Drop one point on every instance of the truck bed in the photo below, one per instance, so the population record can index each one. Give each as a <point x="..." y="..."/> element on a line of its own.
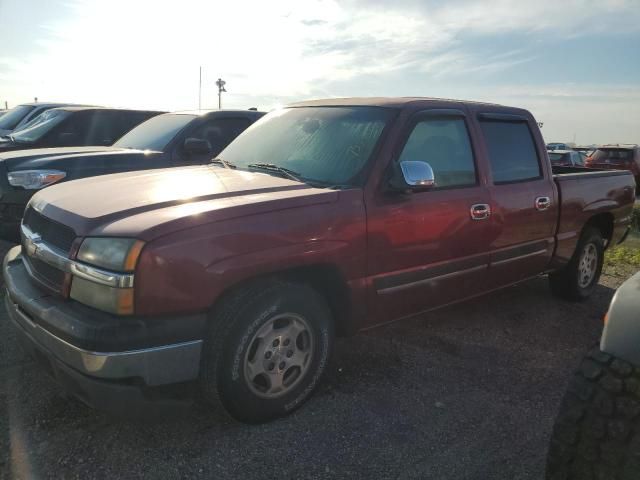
<point x="584" y="193"/>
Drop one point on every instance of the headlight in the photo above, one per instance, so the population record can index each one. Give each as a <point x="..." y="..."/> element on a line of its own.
<point x="109" y="287"/>
<point x="118" y="254"/>
<point x="34" y="179"/>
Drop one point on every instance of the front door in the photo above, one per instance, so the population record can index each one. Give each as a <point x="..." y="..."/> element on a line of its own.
<point x="430" y="248"/>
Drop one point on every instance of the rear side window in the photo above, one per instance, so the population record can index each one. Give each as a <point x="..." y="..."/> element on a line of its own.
<point x="220" y="132"/>
<point x="444" y="144"/>
<point x="512" y="152"/>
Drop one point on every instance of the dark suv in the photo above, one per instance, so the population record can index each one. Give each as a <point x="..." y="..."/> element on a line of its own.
<point x="74" y="126"/>
<point x="616" y="157"/>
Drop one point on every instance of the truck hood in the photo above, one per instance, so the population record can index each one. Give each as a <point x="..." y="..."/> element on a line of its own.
<point x="69" y="158"/>
<point x="153" y="203"/>
<point x="16" y="158"/>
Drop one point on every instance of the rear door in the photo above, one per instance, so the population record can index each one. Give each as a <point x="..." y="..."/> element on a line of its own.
<point x="523" y="198"/>
<point x="425" y="249"/>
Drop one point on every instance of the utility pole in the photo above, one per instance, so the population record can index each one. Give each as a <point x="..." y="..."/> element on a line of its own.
<point x="220" y="84"/>
<point x="200" y="91"/>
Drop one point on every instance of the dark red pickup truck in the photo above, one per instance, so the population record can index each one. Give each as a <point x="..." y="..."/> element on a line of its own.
<point x="323" y="218"/>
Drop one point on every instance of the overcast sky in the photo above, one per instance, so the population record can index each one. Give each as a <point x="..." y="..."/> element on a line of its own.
<point x="575" y="64"/>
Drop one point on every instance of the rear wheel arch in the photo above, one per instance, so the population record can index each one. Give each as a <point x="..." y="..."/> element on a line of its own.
<point x="603" y="222"/>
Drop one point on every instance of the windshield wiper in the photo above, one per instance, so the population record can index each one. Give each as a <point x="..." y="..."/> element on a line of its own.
<point x="270" y="167"/>
<point x="220" y="161"/>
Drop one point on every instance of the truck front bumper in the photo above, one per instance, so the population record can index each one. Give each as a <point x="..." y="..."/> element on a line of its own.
<point x="103" y="379"/>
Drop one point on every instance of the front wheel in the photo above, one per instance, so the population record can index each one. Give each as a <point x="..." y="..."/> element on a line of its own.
<point x="266" y="350"/>
<point x="578" y="279"/>
<point x="597" y="431"/>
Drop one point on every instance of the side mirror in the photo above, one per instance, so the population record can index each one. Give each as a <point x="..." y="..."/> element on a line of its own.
<point x="197" y="146"/>
<point x="413" y="175"/>
<point x="418" y="174"/>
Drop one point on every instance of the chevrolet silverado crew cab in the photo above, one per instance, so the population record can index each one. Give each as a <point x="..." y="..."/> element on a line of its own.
<point x="168" y="140"/>
<point x="321" y="219"/>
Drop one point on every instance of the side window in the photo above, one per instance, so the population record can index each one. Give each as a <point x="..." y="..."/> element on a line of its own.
<point x="578" y="158"/>
<point x="512" y="152"/>
<point x="102" y="128"/>
<point x="444" y="144"/>
<point x="128" y="120"/>
<point x="70" y="132"/>
<point x="221" y="132"/>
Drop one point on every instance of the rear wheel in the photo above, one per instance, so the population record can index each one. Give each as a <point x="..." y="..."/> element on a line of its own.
<point x="266" y="350"/>
<point x="597" y="431"/>
<point x="577" y="280"/>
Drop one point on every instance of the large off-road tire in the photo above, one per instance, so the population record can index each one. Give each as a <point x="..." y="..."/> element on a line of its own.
<point x="266" y="349"/>
<point x="577" y="280"/>
<point x="597" y="431"/>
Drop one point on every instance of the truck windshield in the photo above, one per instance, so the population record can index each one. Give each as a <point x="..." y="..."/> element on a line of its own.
<point x="40" y="126"/>
<point x="14" y="116"/>
<point x="155" y="133"/>
<point x="323" y="145"/>
<point x="612" y="155"/>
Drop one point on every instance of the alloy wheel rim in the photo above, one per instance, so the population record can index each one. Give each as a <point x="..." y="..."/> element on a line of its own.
<point x="588" y="265"/>
<point x="278" y="356"/>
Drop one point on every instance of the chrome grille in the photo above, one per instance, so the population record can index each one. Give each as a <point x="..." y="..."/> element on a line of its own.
<point x="52" y="233"/>
<point x="47" y="275"/>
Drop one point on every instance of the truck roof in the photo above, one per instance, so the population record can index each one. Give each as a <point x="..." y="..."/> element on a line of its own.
<point x="207" y="112"/>
<point x="394" y="102"/>
<point x="78" y="108"/>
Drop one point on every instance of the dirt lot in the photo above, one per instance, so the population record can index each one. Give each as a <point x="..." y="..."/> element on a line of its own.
<point x="469" y="392"/>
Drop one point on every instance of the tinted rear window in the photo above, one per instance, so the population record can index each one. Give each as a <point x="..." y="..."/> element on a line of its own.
<point x="612" y="155"/>
<point x="512" y="152"/>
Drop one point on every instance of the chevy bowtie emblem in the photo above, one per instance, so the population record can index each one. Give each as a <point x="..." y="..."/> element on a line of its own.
<point x="32" y="244"/>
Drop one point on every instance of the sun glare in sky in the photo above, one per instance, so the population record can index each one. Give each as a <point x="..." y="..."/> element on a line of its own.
<point x="572" y="63"/>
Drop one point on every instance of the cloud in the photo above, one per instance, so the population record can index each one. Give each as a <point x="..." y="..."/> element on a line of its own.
<point x="146" y="53"/>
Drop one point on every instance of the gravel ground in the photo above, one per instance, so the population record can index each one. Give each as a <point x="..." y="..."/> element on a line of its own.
<point x="467" y="392"/>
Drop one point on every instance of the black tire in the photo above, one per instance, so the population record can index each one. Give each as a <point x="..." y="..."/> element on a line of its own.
<point x="565" y="283"/>
<point x="231" y="330"/>
<point x="597" y="431"/>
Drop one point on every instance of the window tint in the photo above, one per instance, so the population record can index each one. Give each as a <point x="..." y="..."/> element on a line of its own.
<point x="102" y="128"/>
<point x="220" y="133"/>
<point x="512" y="153"/>
<point x="443" y="144"/>
<point x="128" y="120"/>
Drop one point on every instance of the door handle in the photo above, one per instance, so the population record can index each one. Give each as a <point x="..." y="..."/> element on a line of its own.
<point x="480" y="211"/>
<point x="543" y="203"/>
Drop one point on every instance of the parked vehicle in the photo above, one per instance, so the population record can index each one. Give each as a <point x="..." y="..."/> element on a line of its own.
<point x="324" y="218"/>
<point x="559" y="146"/>
<point x="566" y="158"/>
<point x="597" y="431"/>
<point x="171" y="139"/>
<point x="617" y="157"/>
<point x="17" y="117"/>
<point x="74" y="126"/>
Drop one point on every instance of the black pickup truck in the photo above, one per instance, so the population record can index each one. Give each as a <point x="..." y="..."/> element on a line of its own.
<point x="171" y="139"/>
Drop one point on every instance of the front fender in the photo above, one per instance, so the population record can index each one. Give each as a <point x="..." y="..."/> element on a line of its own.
<point x="621" y="335"/>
